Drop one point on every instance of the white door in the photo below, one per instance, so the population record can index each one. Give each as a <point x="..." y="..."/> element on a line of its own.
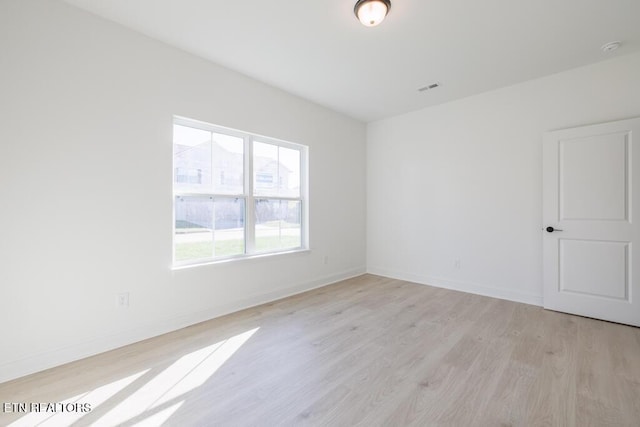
<point x="591" y="215"/>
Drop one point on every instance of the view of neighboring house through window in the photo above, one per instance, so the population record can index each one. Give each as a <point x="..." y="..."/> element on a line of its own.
<point x="276" y="187"/>
<point x="236" y="194"/>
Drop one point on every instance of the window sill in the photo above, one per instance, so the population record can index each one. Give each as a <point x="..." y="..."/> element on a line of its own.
<point x="249" y="258"/>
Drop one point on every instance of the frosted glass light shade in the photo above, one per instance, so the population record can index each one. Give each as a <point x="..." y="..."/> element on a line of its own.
<point x="372" y="12"/>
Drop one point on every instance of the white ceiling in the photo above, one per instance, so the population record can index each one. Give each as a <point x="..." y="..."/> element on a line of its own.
<point x="319" y="51"/>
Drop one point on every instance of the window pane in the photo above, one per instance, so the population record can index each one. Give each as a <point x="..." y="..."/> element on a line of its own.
<point x="191" y="159"/>
<point x="194" y="231"/>
<point x="228" y="164"/>
<point x="206" y="227"/>
<point x="278" y="224"/>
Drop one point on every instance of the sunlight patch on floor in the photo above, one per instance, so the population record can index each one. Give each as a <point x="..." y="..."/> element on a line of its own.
<point x="171" y="385"/>
<point x="95" y="397"/>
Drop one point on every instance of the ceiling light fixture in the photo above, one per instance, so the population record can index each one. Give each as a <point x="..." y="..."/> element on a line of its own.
<point x="371" y="12"/>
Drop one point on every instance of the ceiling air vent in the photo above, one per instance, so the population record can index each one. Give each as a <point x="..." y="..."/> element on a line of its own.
<point x="429" y="87"/>
<point x="611" y="46"/>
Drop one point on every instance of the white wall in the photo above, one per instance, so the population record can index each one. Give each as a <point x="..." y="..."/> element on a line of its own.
<point x="463" y="180"/>
<point x="86" y="111"/>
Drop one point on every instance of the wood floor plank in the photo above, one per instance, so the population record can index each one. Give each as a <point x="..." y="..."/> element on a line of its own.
<point x="368" y="351"/>
<point x="507" y="406"/>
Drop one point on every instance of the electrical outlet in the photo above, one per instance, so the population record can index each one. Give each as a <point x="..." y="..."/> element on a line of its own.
<point x="457" y="264"/>
<point x="325" y="260"/>
<point x="123" y="300"/>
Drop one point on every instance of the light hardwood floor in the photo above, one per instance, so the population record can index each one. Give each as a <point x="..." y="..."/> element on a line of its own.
<point x="367" y="351"/>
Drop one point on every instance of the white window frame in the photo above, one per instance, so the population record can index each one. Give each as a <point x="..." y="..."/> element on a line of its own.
<point x="248" y="194"/>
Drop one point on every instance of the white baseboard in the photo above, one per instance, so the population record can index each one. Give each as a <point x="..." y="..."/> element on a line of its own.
<point x="94" y="345"/>
<point x="472" y="288"/>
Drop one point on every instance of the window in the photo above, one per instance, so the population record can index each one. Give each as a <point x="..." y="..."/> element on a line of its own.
<point x="235" y="194"/>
